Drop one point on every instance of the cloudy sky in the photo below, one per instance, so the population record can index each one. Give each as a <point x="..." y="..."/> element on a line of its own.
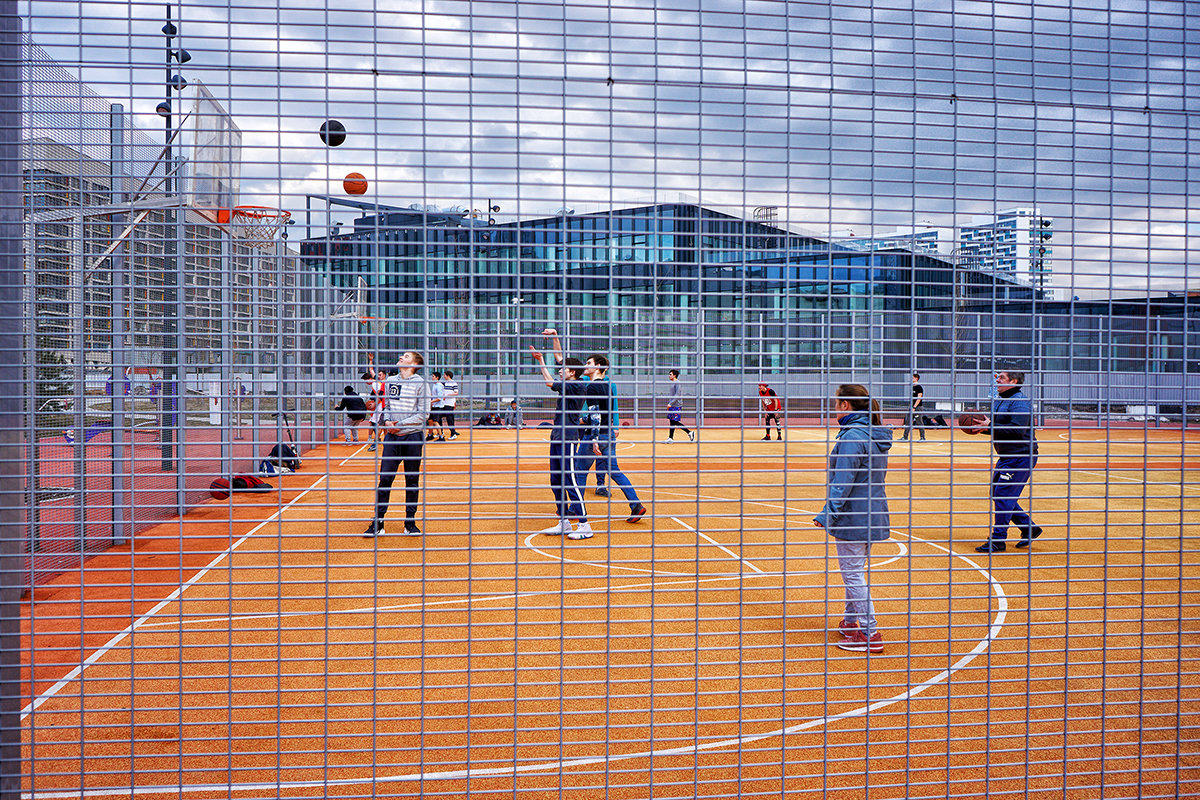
<point x="850" y="119"/>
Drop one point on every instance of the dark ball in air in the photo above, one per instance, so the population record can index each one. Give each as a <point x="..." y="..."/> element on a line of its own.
<point x="333" y="132"/>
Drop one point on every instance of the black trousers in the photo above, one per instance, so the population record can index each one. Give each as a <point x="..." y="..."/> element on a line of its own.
<point x="400" y="449"/>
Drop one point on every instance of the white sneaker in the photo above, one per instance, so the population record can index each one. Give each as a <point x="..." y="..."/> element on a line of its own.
<point x="691" y="436"/>
<point x="584" y="531"/>
<point x="558" y="529"/>
<point x="667" y="441"/>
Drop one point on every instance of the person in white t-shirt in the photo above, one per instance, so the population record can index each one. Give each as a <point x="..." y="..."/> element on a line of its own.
<point x="449" y="403"/>
<point x="437" y="394"/>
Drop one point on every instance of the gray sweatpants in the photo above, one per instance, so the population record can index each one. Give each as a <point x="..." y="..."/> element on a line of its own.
<point x="852" y="561"/>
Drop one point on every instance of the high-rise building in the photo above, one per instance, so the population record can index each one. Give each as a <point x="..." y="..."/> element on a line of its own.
<point x="1015" y="243"/>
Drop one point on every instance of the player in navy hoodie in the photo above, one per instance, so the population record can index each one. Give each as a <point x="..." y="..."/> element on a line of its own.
<point x="1016" y="446"/>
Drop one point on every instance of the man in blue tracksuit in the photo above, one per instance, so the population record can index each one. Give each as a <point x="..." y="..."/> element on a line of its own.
<point x="598" y="444"/>
<point x="1016" y="446"/>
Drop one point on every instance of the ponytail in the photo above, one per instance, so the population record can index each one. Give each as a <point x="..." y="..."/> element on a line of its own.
<point x="860" y="400"/>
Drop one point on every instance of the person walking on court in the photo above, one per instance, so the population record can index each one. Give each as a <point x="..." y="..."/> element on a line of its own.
<point x="598" y="445"/>
<point x="356" y="411"/>
<point x="1016" y="446"/>
<point x="402" y="432"/>
<point x="564" y="436"/>
<point x="770" y="409"/>
<point x="675" y="408"/>
<point x="449" y="403"/>
<point x="856" y="508"/>
<point x="915" y="410"/>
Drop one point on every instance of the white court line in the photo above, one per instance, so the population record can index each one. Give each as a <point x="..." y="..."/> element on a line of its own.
<point x="473" y="599"/>
<point x="179" y="590"/>
<point x="1123" y="478"/>
<point x="980" y="647"/>
<point x="597" y="564"/>
<point x="718" y="545"/>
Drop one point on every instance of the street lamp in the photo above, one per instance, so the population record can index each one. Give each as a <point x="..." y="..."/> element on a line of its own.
<point x="516" y="304"/>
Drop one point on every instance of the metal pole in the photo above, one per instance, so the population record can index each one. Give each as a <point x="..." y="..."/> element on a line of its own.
<point x="14" y="391"/>
<point x="120" y="353"/>
<point x="167" y="394"/>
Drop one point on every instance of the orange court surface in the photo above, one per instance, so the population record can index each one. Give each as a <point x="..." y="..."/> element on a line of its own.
<point x="260" y="647"/>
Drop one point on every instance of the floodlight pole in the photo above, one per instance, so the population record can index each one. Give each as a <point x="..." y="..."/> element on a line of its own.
<point x="167" y="396"/>
<point x="176" y="400"/>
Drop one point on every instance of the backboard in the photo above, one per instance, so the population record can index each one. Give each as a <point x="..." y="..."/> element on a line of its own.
<point x="212" y="145"/>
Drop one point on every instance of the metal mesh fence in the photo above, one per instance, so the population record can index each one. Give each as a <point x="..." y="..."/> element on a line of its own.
<point x="664" y="401"/>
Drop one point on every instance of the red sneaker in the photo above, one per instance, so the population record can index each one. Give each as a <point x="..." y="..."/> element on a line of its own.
<point x="857" y="641"/>
<point x="845" y="626"/>
<point x="636" y="513"/>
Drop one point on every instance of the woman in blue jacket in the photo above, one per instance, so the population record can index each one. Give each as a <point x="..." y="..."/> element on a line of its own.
<point x="856" y="509"/>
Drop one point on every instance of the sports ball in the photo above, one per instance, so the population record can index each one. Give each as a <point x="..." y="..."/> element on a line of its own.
<point x="355" y="183"/>
<point x="219" y="488"/>
<point x="333" y="132"/>
<point x="972" y="423"/>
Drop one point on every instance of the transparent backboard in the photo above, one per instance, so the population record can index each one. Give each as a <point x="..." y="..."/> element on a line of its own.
<point x="212" y="144"/>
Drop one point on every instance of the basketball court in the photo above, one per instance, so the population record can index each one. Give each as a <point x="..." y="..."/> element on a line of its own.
<point x="260" y="647"/>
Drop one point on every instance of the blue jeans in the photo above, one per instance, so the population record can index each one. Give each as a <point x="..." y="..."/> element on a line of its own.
<point x="1008" y="481"/>
<point x="606" y="464"/>
<point x="852" y="562"/>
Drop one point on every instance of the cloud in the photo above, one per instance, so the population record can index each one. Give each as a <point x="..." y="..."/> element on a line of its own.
<point x="871" y="117"/>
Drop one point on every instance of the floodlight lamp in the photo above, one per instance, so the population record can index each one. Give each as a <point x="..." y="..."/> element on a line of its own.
<point x="163" y="109"/>
<point x="170" y="30"/>
<point x="495" y="208"/>
<point x="178" y="82"/>
<point x="181" y="55"/>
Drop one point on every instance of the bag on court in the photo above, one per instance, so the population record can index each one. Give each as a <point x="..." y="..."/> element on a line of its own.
<point x="282" y="455"/>
<point x="222" y="488"/>
<point x="271" y="469"/>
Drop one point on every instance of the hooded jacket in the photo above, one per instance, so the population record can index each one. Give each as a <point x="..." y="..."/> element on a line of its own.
<point x="856" y="507"/>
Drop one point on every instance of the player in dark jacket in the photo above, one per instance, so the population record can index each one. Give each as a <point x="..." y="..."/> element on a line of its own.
<point x="1016" y="446"/>
<point x="356" y="411"/>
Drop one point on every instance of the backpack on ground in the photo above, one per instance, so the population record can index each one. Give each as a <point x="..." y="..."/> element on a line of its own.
<point x="282" y="455"/>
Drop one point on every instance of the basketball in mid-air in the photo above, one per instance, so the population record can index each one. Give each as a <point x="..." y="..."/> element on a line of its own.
<point x="333" y="132"/>
<point x="355" y="183"/>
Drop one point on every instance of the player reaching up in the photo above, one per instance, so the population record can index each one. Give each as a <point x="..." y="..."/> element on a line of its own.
<point x="564" y="436"/>
<point x="402" y="432"/>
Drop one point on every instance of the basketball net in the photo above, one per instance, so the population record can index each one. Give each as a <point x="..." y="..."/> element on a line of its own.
<point x="258" y="226"/>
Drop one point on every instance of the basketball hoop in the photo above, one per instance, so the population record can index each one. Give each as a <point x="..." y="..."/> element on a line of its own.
<point x="258" y="226"/>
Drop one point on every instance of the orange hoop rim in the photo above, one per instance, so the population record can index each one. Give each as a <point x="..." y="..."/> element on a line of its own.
<point x="261" y="213"/>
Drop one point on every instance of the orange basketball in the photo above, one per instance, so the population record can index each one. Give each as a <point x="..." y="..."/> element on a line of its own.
<point x="355" y="183"/>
